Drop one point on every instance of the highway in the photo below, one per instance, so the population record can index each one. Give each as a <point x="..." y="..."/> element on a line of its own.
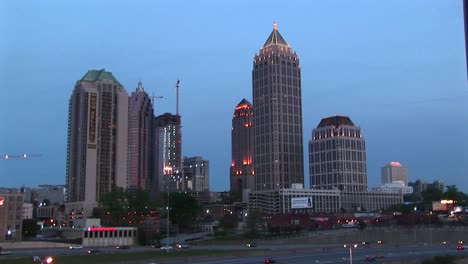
<point x="281" y="253"/>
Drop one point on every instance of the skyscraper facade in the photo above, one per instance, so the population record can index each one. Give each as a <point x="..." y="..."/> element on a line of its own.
<point x="394" y="172"/>
<point x="277" y="125"/>
<point x="140" y="140"/>
<point x="337" y="156"/>
<point x="196" y="174"/>
<point x="168" y="155"/>
<point x="97" y="137"/>
<point x="241" y="171"/>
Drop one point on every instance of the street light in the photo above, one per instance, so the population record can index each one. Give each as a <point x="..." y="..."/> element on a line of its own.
<point x="350" y="251"/>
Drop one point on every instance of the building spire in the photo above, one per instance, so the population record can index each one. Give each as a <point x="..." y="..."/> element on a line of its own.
<point x="275" y="38"/>
<point x="275" y="26"/>
<point x="140" y="87"/>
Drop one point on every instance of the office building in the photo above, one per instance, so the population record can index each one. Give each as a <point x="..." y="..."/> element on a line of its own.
<point x="394" y="172"/>
<point x="97" y="138"/>
<point x="140" y="140"/>
<point x="11" y="212"/>
<point x="337" y="156"/>
<point x="196" y="174"/>
<point x="241" y="171"/>
<point x="54" y="193"/>
<point x="278" y="148"/>
<point x="168" y="153"/>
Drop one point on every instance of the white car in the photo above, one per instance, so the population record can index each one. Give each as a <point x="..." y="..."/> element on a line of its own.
<point x="75" y="247"/>
<point x="166" y="248"/>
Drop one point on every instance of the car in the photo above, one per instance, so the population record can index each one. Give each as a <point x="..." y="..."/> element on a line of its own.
<point x="269" y="260"/>
<point x="122" y="247"/>
<point x="156" y="246"/>
<point x="370" y="259"/>
<point x="166" y="248"/>
<point x="379" y="256"/>
<point x="460" y="247"/>
<point x="46" y="260"/>
<point x="379" y="242"/>
<point x="75" y="247"/>
<point x="5" y="252"/>
<point x="93" y="251"/>
<point x="182" y="246"/>
<point x="251" y="244"/>
<point x="444" y="242"/>
<point x="365" y="243"/>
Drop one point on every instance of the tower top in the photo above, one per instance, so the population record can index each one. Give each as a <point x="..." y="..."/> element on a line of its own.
<point x="140" y="87"/>
<point x="275" y="38"/>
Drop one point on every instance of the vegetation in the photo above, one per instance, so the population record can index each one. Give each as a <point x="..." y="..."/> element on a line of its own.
<point x="423" y="201"/>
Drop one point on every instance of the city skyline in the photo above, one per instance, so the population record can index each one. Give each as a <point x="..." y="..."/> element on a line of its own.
<point x="400" y="73"/>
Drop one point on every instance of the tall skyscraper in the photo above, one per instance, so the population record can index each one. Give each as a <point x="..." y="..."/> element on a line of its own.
<point x="337" y="156"/>
<point x="97" y="137"/>
<point x="394" y="172"/>
<point x="277" y="125"/>
<point x="196" y="174"/>
<point x="140" y="140"/>
<point x="168" y="153"/>
<point x="241" y="170"/>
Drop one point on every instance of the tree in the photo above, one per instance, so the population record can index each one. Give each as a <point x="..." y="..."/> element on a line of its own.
<point x="229" y="221"/>
<point x="116" y="204"/>
<point x="29" y="227"/>
<point x="183" y="209"/>
<point x="254" y="217"/>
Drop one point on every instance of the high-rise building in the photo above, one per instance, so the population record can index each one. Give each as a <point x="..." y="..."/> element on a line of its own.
<point x="97" y="137"/>
<point x="140" y="140"/>
<point x="168" y="153"/>
<point x="394" y="172"/>
<point x="241" y="171"/>
<point x="337" y="156"/>
<point x="196" y="174"/>
<point x="278" y="148"/>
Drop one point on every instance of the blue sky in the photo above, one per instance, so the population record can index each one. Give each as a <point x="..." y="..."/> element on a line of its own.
<point x="397" y="68"/>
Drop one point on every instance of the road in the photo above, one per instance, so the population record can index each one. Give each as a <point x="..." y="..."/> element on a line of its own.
<point x="299" y="254"/>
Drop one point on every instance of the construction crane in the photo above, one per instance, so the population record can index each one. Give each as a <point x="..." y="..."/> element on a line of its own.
<point x="177" y="96"/>
<point x="21" y="156"/>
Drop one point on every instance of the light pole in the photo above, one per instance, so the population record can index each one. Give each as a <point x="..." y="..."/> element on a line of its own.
<point x="350" y="251"/>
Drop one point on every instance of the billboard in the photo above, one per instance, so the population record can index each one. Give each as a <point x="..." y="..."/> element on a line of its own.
<point x="2" y="201"/>
<point x="301" y="203"/>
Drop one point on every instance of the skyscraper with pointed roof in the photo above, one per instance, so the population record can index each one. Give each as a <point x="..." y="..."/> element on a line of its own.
<point x="241" y="171"/>
<point x="97" y="137"/>
<point x="140" y="141"/>
<point x="277" y="125"/>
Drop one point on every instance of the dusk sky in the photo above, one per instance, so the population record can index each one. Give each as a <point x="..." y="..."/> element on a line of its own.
<point x="396" y="68"/>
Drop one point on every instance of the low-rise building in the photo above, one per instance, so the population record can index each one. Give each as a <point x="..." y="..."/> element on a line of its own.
<point x="11" y="212"/>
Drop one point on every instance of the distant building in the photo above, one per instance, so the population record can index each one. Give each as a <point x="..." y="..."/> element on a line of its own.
<point x="439" y="184"/>
<point x="418" y="186"/>
<point x="241" y="170"/>
<point x="27" y="211"/>
<point x="54" y="193"/>
<point x="277" y="125"/>
<point x="97" y="138"/>
<point x="393" y="172"/>
<point x="168" y="153"/>
<point x="140" y="141"/>
<point x="293" y="201"/>
<point x="421" y="185"/>
<point x="11" y="212"/>
<point x="196" y="174"/>
<point x="395" y="187"/>
<point x="337" y="156"/>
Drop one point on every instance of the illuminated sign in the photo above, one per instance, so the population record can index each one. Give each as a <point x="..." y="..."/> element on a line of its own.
<point x="301" y="203"/>
<point x="2" y="201"/>
<point x="102" y="229"/>
<point x="92" y="117"/>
